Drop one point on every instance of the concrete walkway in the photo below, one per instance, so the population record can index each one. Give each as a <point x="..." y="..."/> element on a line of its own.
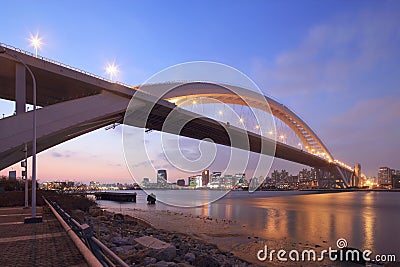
<point x="41" y="244"/>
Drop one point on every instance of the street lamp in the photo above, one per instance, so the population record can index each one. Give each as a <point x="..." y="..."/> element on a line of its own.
<point x="112" y="70"/>
<point x="36" y="42"/>
<point x="34" y="219"/>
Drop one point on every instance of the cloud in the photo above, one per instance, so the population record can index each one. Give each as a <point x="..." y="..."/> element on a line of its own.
<point x="143" y="164"/>
<point x="368" y="133"/>
<point x="333" y="54"/>
<point x="65" y="154"/>
<point x="115" y="164"/>
<point x="57" y="155"/>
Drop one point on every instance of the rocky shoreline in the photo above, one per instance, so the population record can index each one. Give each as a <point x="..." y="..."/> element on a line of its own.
<point x="121" y="234"/>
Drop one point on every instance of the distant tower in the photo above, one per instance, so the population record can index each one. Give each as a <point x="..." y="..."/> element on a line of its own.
<point x="205" y="177"/>
<point x="357" y="174"/>
<point x="162" y="179"/>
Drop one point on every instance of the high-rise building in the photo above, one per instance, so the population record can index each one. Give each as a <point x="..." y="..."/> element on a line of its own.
<point x="275" y="176"/>
<point x="199" y="181"/>
<point x="304" y="175"/>
<point x="162" y="178"/>
<point x="385" y="176"/>
<point x="396" y="180"/>
<point x="205" y="176"/>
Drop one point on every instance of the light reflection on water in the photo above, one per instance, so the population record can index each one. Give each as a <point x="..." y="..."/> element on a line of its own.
<point x="367" y="220"/>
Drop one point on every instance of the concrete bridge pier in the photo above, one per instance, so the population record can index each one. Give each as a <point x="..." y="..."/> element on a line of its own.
<point x="20" y="88"/>
<point x="333" y="177"/>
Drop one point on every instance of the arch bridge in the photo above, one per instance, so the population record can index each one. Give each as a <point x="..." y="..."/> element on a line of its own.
<point x="74" y="102"/>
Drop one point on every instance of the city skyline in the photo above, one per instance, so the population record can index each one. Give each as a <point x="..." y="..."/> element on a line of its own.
<point x="337" y="69"/>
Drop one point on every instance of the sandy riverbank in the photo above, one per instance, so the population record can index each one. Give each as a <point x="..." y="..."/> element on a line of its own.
<point x="227" y="235"/>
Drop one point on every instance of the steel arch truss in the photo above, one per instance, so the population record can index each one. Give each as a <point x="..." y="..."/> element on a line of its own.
<point x="237" y="95"/>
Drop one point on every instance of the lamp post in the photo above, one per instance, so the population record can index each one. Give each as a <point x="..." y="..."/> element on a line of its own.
<point x="36" y="42"/>
<point x="33" y="219"/>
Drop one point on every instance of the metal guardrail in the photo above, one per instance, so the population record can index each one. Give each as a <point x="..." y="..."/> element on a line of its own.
<point x="61" y="64"/>
<point x="105" y="256"/>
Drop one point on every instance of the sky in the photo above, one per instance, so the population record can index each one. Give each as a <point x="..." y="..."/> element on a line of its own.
<point x="336" y="64"/>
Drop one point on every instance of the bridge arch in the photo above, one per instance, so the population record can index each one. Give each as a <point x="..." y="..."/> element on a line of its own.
<point x="184" y="91"/>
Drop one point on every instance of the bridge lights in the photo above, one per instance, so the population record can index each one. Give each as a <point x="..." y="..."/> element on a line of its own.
<point x="241" y="120"/>
<point x="112" y="70"/>
<point x="220" y="112"/>
<point x="36" y="42"/>
<point x="300" y="145"/>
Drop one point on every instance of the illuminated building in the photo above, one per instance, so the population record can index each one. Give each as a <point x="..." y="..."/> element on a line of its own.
<point x="385" y="176"/>
<point x="227" y="181"/>
<point x="215" y="180"/>
<point x="357" y="175"/>
<point x="199" y="181"/>
<point x="239" y="179"/>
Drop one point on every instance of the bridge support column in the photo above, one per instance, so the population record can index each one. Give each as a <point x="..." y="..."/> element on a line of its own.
<point x="20" y="88"/>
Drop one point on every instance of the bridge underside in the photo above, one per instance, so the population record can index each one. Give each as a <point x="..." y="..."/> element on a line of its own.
<point x="63" y="121"/>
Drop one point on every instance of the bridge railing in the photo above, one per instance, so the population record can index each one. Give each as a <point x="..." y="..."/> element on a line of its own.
<point x="61" y="64"/>
<point x="104" y="255"/>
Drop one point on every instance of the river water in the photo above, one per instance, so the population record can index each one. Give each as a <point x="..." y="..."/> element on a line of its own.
<point x="367" y="220"/>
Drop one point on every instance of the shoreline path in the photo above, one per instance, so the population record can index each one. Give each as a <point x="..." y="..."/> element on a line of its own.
<point x="40" y="244"/>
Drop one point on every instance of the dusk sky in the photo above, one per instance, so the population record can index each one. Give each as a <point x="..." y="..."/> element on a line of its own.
<point x="336" y="64"/>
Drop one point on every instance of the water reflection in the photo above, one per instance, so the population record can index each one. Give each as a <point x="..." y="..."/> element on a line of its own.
<point x="367" y="220"/>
